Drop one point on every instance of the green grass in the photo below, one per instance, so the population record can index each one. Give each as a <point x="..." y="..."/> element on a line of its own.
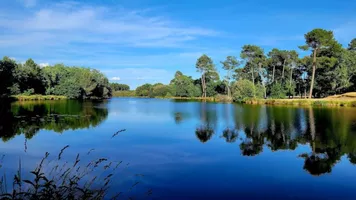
<point x="38" y="97"/>
<point x="304" y="102"/>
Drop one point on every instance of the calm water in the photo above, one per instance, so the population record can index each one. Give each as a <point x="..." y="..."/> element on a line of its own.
<point x="192" y="150"/>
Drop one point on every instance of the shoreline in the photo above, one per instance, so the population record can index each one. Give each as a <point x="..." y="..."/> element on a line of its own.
<point x="325" y="102"/>
<point x="38" y="97"/>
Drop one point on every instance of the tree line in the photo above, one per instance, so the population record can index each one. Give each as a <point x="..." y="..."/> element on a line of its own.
<point x="329" y="69"/>
<point x="119" y="87"/>
<point x="29" y="78"/>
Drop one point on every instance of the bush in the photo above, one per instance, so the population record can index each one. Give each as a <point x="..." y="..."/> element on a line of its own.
<point x="68" y="88"/>
<point x="144" y="90"/>
<point x="223" y="98"/>
<point x="277" y="91"/>
<point x="259" y="91"/>
<point x="29" y="92"/>
<point x="160" y="90"/>
<point x="15" y="89"/>
<point x="244" y="89"/>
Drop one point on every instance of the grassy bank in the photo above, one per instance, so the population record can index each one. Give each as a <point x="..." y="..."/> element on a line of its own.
<point x="338" y="101"/>
<point x="305" y="102"/>
<point x="37" y="97"/>
<point x="130" y="93"/>
<point x="219" y="98"/>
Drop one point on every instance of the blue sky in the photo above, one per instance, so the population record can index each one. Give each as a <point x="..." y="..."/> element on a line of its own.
<point x="138" y="41"/>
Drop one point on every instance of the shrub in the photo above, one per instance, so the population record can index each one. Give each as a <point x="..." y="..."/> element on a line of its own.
<point x="68" y="88"/>
<point x="160" y="90"/>
<point x="277" y="91"/>
<point x="144" y="90"/>
<point x="29" y="92"/>
<point x="244" y="90"/>
<point x="223" y="98"/>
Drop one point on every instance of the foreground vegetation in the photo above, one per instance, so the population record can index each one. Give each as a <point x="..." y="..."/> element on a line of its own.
<point x="64" y="181"/>
<point x="330" y="69"/>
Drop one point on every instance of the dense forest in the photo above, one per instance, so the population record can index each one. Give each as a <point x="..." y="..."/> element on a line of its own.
<point x="29" y="78"/>
<point x="329" y="69"/>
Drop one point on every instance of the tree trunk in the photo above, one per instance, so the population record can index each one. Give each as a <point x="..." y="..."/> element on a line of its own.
<point x="290" y="80"/>
<point x="253" y="82"/>
<point x="313" y="75"/>
<point x="228" y="84"/>
<point x="284" y="63"/>
<point x="228" y="90"/>
<point x="305" y="92"/>
<point x="263" y="84"/>
<point x="274" y="69"/>
<point x="203" y="85"/>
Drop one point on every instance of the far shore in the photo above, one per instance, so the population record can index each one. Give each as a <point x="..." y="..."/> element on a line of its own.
<point x="331" y="102"/>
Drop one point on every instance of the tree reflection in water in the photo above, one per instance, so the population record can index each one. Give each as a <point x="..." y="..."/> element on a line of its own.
<point x="330" y="132"/>
<point x="29" y="117"/>
<point x="204" y="133"/>
<point x="230" y="135"/>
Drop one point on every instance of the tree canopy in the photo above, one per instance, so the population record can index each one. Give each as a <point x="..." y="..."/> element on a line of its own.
<point x="73" y="82"/>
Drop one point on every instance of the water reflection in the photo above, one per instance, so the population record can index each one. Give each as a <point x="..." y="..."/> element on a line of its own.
<point x="30" y="117"/>
<point x="330" y="132"/>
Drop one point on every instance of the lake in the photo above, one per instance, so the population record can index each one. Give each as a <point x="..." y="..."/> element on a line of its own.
<point x="193" y="150"/>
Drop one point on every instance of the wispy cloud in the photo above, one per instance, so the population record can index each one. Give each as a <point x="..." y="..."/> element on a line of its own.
<point x="43" y="64"/>
<point x="69" y="23"/>
<point x="115" y="78"/>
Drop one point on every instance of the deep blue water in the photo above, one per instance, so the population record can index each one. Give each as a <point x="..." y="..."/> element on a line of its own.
<point x="194" y="150"/>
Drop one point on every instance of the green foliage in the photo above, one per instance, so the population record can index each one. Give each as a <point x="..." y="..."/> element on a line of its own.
<point x="352" y="45"/>
<point x="73" y="82"/>
<point x="69" y="88"/>
<point x="243" y="89"/>
<point x="318" y="38"/>
<point x="29" y="92"/>
<point x="259" y="91"/>
<point x="204" y="64"/>
<point x="183" y="86"/>
<point x="206" y="67"/>
<point x="160" y="90"/>
<point x="144" y="90"/>
<point x="119" y="87"/>
<point x="6" y="76"/>
<point x="277" y="91"/>
<point x="254" y="60"/>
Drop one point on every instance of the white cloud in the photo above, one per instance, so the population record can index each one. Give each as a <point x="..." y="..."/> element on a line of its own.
<point x="115" y="78"/>
<point x="68" y="23"/>
<point x="43" y="64"/>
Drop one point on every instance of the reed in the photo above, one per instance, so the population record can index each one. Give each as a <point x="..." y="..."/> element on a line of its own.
<point x="38" y="97"/>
